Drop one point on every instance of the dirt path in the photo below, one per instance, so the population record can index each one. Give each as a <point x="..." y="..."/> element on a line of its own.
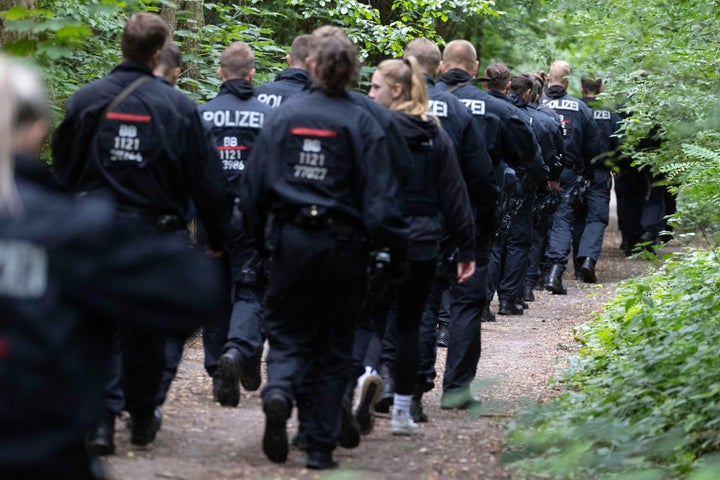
<point x="201" y="440"/>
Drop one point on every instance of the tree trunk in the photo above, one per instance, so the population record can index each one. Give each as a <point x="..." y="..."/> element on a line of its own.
<point x="193" y="22"/>
<point x="169" y="14"/>
<point x="8" y="37"/>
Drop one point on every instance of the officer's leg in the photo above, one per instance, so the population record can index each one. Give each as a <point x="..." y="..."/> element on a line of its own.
<point x="463" y="352"/>
<point x="101" y="438"/>
<point x="215" y="330"/>
<point x="143" y="366"/>
<point x="560" y="237"/>
<point x="443" y="316"/>
<point x="174" y="344"/>
<point x="533" y="274"/>
<point x="517" y="247"/>
<point x="494" y="269"/>
<point x="652" y="219"/>
<point x="596" y="220"/>
<point x="630" y="188"/>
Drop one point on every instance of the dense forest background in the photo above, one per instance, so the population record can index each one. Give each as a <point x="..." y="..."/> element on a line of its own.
<point x="642" y="398"/>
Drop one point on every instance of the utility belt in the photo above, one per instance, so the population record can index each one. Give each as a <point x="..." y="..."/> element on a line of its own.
<point x="163" y="223"/>
<point x="314" y="217"/>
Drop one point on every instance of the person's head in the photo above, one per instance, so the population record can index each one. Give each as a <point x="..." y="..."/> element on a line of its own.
<point x="427" y="54"/>
<point x="299" y="52"/>
<point x="538" y="85"/>
<point x="559" y="73"/>
<point x="591" y="87"/>
<point x="143" y="38"/>
<point x="170" y="63"/>
<point x="400" y="85"/>
<point x="522" y="84"/>
<point x="498" y="77"/>
<point x="24" y="123"/>
<point x="237" y="61"/>
<point x="460" y="54"/>
<point x="333" y="61"/>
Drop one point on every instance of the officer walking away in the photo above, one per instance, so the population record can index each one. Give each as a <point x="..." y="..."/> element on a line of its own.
<point x="143" y="143"/>
<point x="592" y="219"/>
<point x="234" y="119"/>
<point x="169" y="64"/>
<point x="67" y="269"/>
<point x="319" y="188"/>
<point x="293" y="79"/>
<point x="580" y="136"/>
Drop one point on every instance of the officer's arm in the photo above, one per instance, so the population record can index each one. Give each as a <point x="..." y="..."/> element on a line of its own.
<point x="208" y="184"/>
<point x="381" y="207"/>
<point x="454" y="200"/>
<point x="254" y="201"/>
<point x="518" y="144"/>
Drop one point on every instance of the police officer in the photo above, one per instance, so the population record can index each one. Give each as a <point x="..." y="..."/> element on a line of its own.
<point x="71" y="260"/>
<point x="580" y="135"/>
<point x="591" y="221"/>
<point x="290" y="81"/>
<point x="318" y="185"/>
<point x="235" y="118"/>
<point x="169" y="64"/>
<point x="144" y="144"/>
<point x="508" y="139"/>
<point x="509" y="256"/>
<point x="545" y="204"/>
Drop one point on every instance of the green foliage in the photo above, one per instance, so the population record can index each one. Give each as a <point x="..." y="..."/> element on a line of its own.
<point x="643" y="396"/>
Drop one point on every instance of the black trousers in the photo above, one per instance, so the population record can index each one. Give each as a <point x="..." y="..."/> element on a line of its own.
<point x="317" y="280"/>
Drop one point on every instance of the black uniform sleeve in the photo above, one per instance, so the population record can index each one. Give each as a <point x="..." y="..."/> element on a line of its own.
<point x="590" y="147"/>
<point x="549" y="153"/>
<point x="254" y="194"/>
<point x="399" y="153"/>
<point x="517" y="143"/>
<point x="454" y="200"/>
<point x="381" y="208"/>
<point x="208" y="184"/>
<point x="69" y="146"/>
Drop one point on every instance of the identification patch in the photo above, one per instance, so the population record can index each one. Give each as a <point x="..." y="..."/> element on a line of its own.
<point x="571" y="105"/>
<point x="601" y="115"/>
<point x="23" y="270"/>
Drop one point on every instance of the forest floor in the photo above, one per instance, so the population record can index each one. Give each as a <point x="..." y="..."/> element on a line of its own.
<point x="202" y="440"/>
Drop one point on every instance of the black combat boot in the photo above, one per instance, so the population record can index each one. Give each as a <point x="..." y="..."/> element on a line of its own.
<point x="587" y="271"/>
<point x="145" y="428"/>
<point x="528" y="294"/>
<point x="442" y="335"/>
<point x="383" y="405"/>
<point x="250" y="376"/>
<point x="554" y="280"/>
<point x="101" y="440"/>
<point x="509" y="307"/>
<point x="228" y="373"/>
<point x="416" y="407"/>
<point x="487" y="315"/>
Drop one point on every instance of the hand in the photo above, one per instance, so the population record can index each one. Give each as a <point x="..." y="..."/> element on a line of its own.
<point x="212" y="253"/>
<point x="465" y="270"/>
<point x="554" y="185"/>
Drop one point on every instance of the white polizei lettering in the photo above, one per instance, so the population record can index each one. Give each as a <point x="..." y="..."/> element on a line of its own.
<point x="23" y="270"/>
<point x="564" y="105"/>
<point x="234" y="118"/>
<point x="271" y="100"/>
<point x="601" y="115"/>
<point x="437" y="108"/>
<point x="476" y="107"/>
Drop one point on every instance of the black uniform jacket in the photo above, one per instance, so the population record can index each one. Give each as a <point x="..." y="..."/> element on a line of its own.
<point x="325" y="151"/>
<point x="151" y="153"/>
<point x="289" y="82"/>
<point x="608" y="123"/>
<point x="438" y="181"/>
<point x="540" y="123"/>
<point x="471" y="150"/>
<point x="508" y="137"/>
<point x="580" y="131"/>
<point x="67" y="270"/>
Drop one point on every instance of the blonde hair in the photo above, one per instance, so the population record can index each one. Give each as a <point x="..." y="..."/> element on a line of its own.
<point x="22" y="101"/>
<point x="408" y="74"/>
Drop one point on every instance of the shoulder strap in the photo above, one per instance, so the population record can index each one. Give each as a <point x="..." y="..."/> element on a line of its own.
<point x="117" y="100"/>
<point x="458" y="85"/>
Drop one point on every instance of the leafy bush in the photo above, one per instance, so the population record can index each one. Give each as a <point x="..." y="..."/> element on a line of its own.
<point x="644" y="393"/>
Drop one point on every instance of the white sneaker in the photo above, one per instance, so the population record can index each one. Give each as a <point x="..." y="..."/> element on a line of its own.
<point x="403" y="424"/>
<point x="368" y="393"/>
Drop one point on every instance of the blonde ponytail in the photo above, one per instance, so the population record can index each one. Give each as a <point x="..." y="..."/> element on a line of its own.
<point x="408" y="74"/>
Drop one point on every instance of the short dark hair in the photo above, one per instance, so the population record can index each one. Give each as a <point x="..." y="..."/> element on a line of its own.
<point x="300" y="48"/>
<point x="335" y="57"/>
<point x="170" y="56"/>
<point x="237" y="60"/>
<point x="498" y="76"/>
<point x="143" y="35"/>
<point x="521" y="83"/>
<point x="591" y="86"/>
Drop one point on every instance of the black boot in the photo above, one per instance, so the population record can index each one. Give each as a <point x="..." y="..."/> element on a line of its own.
<point x="250" y="376"/>
<point x="442" y="335"/>
<point x="416" y="408"/>
<point x="509" y="307"/>
<point x="587" y="270"/>
<point x="487" y="315"/>
<point x="383" y="405"/>
<point x="228" y="373"/>
<point x="528" y="294"/>
<point x="349" y="428"/>
<point x="554" y="280"/>
<point x="275" y="442"/>
<point x="101" y="440"/>
<point x="144" y="429"/>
